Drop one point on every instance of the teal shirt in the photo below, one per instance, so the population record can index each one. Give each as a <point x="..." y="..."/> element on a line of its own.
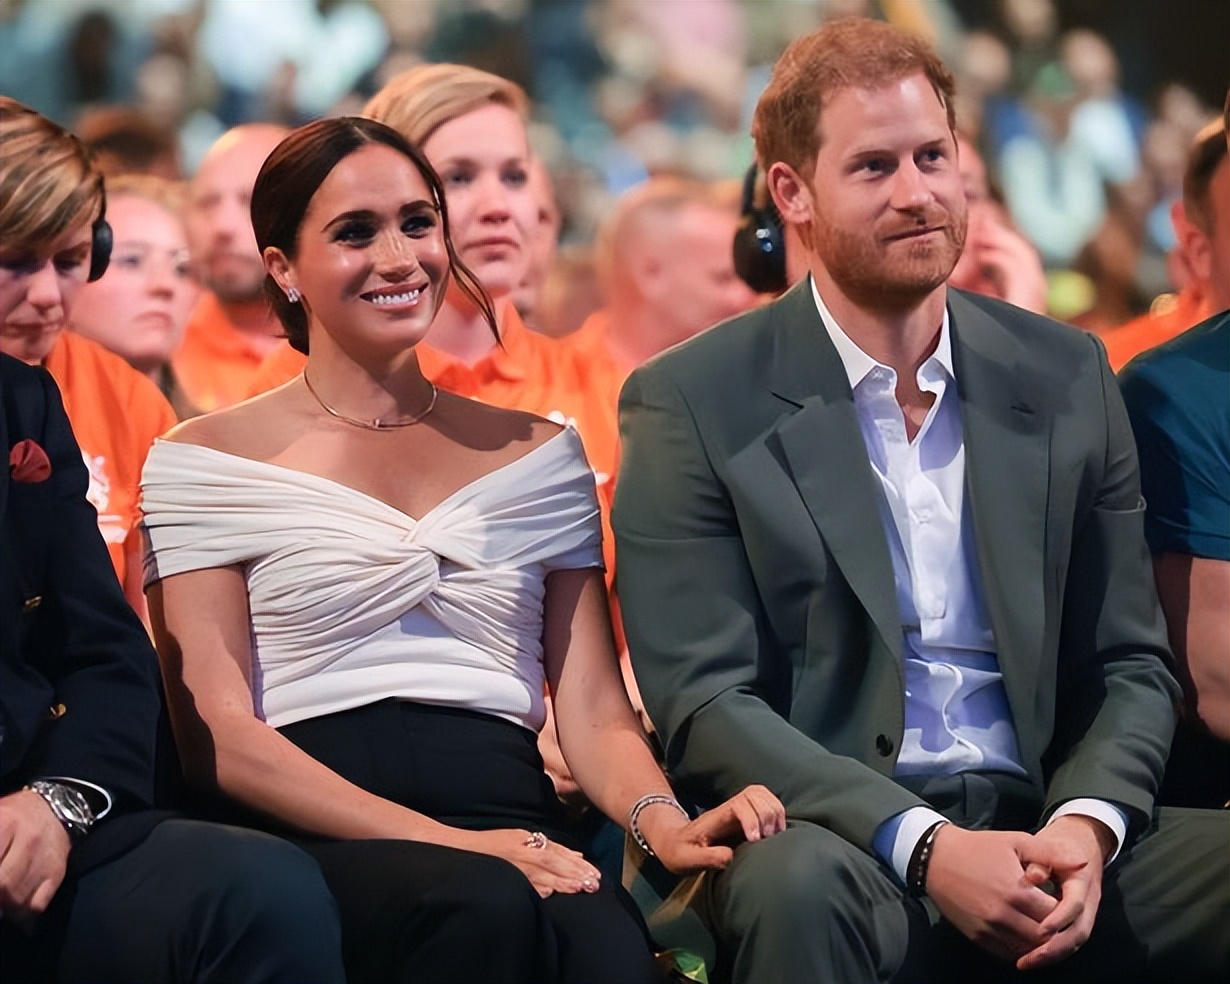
<point x="1178" y="399"/>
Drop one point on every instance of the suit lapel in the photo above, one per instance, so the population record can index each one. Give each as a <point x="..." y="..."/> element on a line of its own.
<point x="1006" y="427"/>
<point x="823" y="448"/>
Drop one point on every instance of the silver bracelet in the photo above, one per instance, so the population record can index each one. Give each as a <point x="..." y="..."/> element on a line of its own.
<point x="635" y="812"/>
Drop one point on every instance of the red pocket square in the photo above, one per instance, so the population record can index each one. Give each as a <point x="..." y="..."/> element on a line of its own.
<point x="28" y="462"/>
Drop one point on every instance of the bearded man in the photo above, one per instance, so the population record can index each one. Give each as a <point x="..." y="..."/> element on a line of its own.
<point x="880" y="548"/>
<point x="232" y="328"/>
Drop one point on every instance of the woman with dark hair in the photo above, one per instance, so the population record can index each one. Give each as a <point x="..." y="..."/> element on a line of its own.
<point x="359" y="584"/>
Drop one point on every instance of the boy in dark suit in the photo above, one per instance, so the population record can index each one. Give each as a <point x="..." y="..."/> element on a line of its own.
<point x="95" y="885"/>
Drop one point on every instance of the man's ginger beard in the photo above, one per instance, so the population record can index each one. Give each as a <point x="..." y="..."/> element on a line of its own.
<point x="885" y="275"/>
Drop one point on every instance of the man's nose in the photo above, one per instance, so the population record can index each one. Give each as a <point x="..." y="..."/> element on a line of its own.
<point x="910" y="188"/>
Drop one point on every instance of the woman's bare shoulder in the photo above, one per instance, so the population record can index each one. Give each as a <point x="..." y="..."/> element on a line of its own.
<point x="495" y="426"/>
<point x="248" y="429"/>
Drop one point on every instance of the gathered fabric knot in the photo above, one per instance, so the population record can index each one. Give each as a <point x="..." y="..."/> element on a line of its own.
<point x="352" y="600"/>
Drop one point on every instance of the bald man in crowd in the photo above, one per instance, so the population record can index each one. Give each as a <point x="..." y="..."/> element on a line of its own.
<point x="1201" y="220"/>
<point x="666" y="274"/>
<point x="232" y="328"/>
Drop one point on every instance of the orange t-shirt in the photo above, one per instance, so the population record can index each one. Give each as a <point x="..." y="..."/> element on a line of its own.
<point x="116" y="413"/>
<point x="1127" y="341"/>
<point x="216" y="362"/>
<point x="601" y="376"/>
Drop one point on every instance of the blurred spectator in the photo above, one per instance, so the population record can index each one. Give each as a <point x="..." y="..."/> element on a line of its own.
<point x="1052" y="185"/>
<point x="984" y="68"/>
<point x="997" y="260"/>
<point x="543" y="242"/>
<point x="288" y="60"/>
<point x="1109" y="262"/>
<point x="1106" y="124"/>
<point x="1033" y="28"/>
<point x="666" y="273"/>
<point x="126" y="141"/>
<point x="232" y="329"/>
<point x="485" y="34"/>
<point x="138" y="309"/>
<point x="1168" y="137"/>
<point x="570" y="292"/>
<point x="1202" y="254"/>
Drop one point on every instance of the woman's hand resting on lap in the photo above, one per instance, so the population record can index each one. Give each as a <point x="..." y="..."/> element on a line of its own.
<point x="550" y="868"/>
<point x="685" y="846"/>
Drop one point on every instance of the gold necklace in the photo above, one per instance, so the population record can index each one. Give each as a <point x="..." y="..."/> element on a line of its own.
<point x="375" y="424"/>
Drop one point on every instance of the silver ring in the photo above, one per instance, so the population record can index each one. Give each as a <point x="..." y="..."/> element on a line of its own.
<point x="537" y="839"/>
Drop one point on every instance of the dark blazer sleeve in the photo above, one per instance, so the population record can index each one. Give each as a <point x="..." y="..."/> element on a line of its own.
<point x="84" y="701"/>
<point x="714" y="684"/>
<point x="1116" y="699"/>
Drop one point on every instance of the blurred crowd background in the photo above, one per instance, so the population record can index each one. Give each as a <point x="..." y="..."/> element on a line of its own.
<point x="1083" y="109"/>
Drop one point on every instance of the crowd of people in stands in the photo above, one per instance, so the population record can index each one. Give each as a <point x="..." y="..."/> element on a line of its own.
<point x="392" y="418"/>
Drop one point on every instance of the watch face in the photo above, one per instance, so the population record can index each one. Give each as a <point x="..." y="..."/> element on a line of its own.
<point x="75" y="807"/>
<point x="68" y="805"/>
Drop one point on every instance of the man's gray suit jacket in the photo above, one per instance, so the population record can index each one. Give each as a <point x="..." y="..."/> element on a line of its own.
<point x="757" y="588"/>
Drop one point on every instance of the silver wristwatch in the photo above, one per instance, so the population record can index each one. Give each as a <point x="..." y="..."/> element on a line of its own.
<point x="69" y="806"/>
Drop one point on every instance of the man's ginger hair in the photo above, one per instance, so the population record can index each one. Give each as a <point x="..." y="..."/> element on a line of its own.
<point x="850" y="53"/>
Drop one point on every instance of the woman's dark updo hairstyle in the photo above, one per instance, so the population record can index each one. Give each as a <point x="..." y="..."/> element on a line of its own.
<point x="289" y="179"/>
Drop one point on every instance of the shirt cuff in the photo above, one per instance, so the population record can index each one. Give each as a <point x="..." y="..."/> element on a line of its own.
<point x="99" y="799"/>
<point x="1098" y="809"/>
<point x="896" y="837"/>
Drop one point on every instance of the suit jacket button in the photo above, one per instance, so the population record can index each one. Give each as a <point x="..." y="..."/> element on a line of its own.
<point x="884" y="745"/>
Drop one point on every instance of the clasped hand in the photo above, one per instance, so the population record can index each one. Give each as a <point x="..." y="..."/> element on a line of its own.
<point x="1027" y="898"/>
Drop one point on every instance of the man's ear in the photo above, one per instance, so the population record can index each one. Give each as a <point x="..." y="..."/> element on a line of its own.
<point x="277" y="265"/>
<point x="649" y="277"/>
<point x="790" y="193"/>
<point x="1192" y="246"/>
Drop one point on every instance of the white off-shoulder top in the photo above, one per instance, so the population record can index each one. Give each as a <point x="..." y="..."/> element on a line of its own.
<point x="353" y="601"/>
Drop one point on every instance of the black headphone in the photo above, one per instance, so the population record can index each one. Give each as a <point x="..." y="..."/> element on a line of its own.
<point x="102" y="240"/>
<point x="760" y="242"/>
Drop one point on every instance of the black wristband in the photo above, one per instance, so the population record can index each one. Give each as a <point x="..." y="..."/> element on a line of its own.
<point x="920" y="860"/>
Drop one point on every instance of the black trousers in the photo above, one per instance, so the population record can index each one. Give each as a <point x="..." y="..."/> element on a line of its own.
<point x="193" y="903"/>
<point x="424" y="913"/>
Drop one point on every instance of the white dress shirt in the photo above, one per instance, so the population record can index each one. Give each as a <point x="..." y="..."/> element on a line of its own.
<point x="957" y="716"/>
